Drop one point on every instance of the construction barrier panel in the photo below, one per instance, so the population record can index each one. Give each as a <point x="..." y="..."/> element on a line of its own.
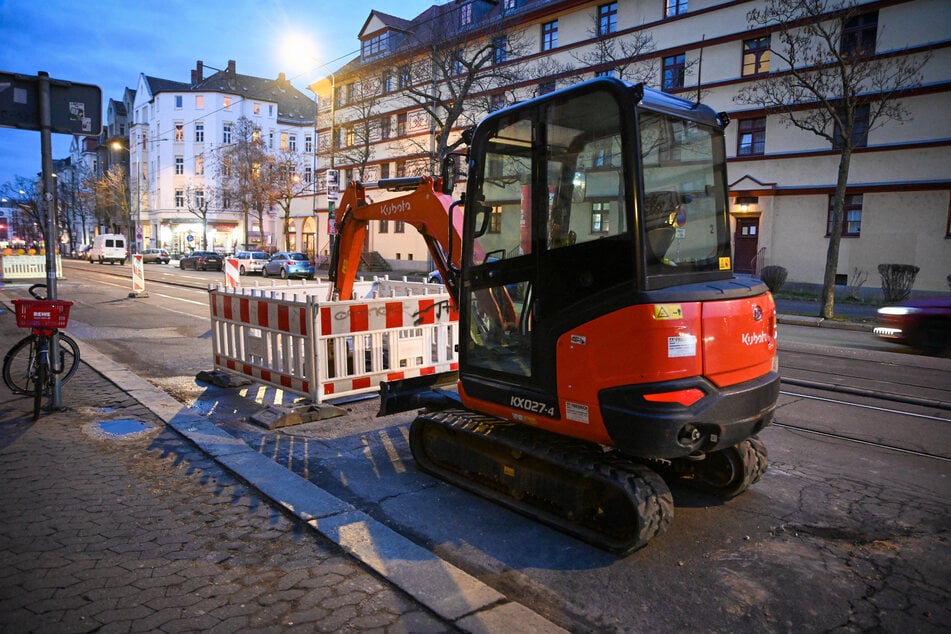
<point x="232" y="278"/>
<point x="138" y="275"/>
<point x="293" y="338"/>
<point x="26" y="266"/>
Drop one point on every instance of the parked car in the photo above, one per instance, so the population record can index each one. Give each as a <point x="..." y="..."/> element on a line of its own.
<point x="161" y="256"/>
<point x="201" y="261"/>
<point x="250" y="261"/>
<point x="109" y="247"/>
<point x="924" y="324"/>
<point x="289" y="264"/>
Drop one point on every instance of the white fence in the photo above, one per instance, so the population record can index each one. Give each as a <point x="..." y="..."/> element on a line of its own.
<point x="290" y="338"/>
<point x="26" y="266"/>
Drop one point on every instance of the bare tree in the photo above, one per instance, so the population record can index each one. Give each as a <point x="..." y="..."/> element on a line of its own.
<point x="286" y="185"/>
<point x="363" y="125"/>
<point x="244" y="173"/>
<point x="198" y="203"/>
<point x="831" y="84"/>
<point x="629" y="57"/>
<point x="460" y="65"/>
<point x="112" y="193"/>
<point x="28" y="223"/>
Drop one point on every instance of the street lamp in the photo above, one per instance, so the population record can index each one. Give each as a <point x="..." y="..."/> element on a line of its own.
<point x="135" y="219"/>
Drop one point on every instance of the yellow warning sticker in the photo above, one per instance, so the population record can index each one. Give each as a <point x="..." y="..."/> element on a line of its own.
<point x="725" y="264"/>
<point x="668" y="311"/>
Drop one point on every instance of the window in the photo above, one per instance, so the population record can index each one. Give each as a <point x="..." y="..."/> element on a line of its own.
<point x="465" y="14"/>
<point x="179" y="165"/>
<point x="283" y="146"/>
<point x="400" y="169"/>
<point x="751" y="137"/>
<point x="676" y="7"/>
<point x="226" y="133"/>
<point x="179" y="101"/>
<point x="384" y="226"/>
<point x="199" y="165"/>
<point x="495" y="219"/>
<point x="404" y="80"/>
<point x="399" y="226"/>
<point x="308" y="143"/>
<point x="550" y="35"/>
<point x="859" y="131"/>
<point x="509" y="5"/>
<point x="499" y="50"/>
<point x="385" y="127"/>
<point x="607" y="18"/>
<point x="199" y="198"/>
<point x="308" y="174"/>
<point x="270" y="110"/>
<point x="546" y="87"/>
<point x="199" y="102"/>
<point x="756" y="56"/>
<point x="851" y="216"/>
<point x="384" y="170"/>
<point x="386" y="82"/>
<point x="179" y="132"/>
<point x="673" y="73"/>
<point x="227" y="103"/>
<point x="179" y="198"/>
<point x="859" y="33"/>
<point x="351" y="136"/>
<point x="496" y="102"/>
<point x="256" y="108"/>
<point x="199" y="133"/>
<point x="351" y="92"/>
<point x="600" y="217"/>
<point x="605" y="73"/>
<point x="401" y="124"/>
<point x="292" y="142"/>
<point x="374" y="46"/>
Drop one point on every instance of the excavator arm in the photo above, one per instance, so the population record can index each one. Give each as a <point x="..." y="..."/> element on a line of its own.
<point x="425" y="207"/>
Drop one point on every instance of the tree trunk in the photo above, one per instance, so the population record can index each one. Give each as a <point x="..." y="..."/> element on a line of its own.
<point x="827" y="307"/>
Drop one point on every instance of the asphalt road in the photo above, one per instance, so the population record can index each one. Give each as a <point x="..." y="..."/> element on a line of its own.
<point x="847" y="530"/>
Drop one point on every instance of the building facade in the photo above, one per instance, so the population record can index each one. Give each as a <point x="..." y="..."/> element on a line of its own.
<point x="380" y="117"/>
<point x="177" y="135"/>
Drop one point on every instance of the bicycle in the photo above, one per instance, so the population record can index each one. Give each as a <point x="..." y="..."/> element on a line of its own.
<point x="27" y="367"/>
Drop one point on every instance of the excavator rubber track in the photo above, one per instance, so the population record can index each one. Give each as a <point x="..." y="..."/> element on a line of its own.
<point x="574" y="486"/>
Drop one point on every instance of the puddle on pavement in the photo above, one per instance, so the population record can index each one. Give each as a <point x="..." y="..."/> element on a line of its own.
<point x="122" y="427"/>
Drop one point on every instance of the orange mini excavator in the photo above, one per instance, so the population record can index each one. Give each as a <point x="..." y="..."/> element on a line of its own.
<point x="605" y="343"/>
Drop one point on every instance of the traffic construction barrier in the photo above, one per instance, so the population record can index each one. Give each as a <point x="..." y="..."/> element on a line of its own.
<point x="14" y="267"/>
<point x="293" y="338"/>
<point x="231" y="273"/>
<point x="138" y="277"/>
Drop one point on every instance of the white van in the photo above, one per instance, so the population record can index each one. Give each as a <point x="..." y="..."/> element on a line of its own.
<point x="109" y="247"/>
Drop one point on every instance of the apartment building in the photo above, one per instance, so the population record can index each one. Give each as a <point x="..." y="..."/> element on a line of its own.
<point x="374" y="121"/>
<point x="176" y="134"/>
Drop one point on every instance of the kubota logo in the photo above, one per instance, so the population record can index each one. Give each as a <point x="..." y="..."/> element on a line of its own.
<point x="755" y="338"/>
<point x="391" y="209"/>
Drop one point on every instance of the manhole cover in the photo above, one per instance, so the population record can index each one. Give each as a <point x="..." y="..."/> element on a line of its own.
<point x="122" y="427"/>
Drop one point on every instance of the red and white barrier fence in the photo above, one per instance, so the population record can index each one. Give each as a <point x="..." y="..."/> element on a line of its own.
<point x="320" y="349"/>
<point x="232" y="279"/>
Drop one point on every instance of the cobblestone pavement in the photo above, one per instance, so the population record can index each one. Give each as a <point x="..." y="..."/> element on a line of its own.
<point x="143" y="532"/>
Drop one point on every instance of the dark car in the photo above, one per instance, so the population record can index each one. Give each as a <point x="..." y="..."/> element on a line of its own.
<point x="201" y="261"/>
<point x="924" y="324"/>
<point x="289" y="264"/>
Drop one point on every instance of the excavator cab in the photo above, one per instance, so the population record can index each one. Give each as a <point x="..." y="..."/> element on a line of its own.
<point x="580" y="206"/>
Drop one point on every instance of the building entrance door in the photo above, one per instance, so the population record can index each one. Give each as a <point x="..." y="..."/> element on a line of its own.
<point x="745" y="245"/>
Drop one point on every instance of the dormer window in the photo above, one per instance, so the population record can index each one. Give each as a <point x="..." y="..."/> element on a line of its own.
<point x="375" y="46"/>
<point x="465" y="14"/>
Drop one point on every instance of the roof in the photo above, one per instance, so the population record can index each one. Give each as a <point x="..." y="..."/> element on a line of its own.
<point x="293" y="106"/>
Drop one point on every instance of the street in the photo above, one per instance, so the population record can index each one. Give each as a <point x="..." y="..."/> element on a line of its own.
<point x="847" y="529"/>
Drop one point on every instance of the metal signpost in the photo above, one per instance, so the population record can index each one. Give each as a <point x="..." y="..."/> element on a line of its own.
<point x="50" y="105"/>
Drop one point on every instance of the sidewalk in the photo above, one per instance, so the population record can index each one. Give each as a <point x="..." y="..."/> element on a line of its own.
<point x="127" y="512"/>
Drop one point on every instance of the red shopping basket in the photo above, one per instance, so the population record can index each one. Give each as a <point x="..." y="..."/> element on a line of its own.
<point x="42" y="313"/>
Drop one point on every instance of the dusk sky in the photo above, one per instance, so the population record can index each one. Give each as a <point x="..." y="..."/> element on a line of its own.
<point x="108" y="43"/>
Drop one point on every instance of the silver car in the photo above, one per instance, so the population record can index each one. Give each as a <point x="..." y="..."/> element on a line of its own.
<point x="250" y="261"/>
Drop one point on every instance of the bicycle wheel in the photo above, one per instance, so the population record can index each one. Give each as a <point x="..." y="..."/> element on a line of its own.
<point x="18" y="363"/>
<point x="40" y="381"/>
<point x="18" y="366"/>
